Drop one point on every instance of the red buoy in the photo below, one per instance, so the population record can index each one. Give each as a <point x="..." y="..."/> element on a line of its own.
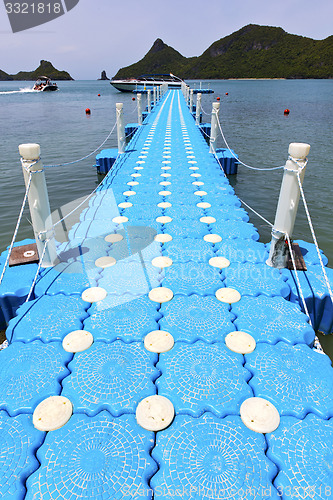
<point x="217" y="98"/>
<point x="133" y="98"/>
<point x="286" y="111"/>
<point x="227" y="93"/>
<point x="99" y="95"/>
<point x="88" y="112"/>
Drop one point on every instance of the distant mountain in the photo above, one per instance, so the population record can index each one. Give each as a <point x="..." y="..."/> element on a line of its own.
<point x="252" y="52"/>
<point x="44" y="69"/>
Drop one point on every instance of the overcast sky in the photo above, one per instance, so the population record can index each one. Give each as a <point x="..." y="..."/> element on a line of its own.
<point x="107" y="34"/>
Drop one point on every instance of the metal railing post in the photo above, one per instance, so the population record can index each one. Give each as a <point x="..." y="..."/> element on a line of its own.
<point x="139" y="100"/>
<point x="198" y="109"/>
<point x="39" y="203"/>
<point x="214" y="126"/>
<point x="120" y="128"/>
<point x="288" y="203"/>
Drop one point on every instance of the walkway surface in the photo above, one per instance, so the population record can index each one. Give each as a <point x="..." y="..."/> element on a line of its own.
<point x="168" y="217"/>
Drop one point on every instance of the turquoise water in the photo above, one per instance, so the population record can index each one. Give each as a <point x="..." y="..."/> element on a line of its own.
<point x="253" y="122"/>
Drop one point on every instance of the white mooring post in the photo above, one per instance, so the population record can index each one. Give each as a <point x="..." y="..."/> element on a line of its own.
<point x="288" y="203"/>
<point x="149" y="100"/>
<point x="154" y="95"/>
<point x="120" y="128"/>
<point x="198" y="109"/>
<point x="187" y="94"/>
<point x="214" y="126"/>
<point x="191" y="101"/>
<point x="39" y="203"/>
<point x="139" y="96"/>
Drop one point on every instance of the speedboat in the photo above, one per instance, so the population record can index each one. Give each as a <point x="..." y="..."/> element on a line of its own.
<point x="146" y="82"/>
<point x="44" y="84"/>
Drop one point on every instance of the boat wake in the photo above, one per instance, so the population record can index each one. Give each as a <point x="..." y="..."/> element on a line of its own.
<point x="20" y="91"/>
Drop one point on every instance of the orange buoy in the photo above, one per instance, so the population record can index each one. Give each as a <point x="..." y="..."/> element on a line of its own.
<point x="286" y="111"/>
<point x="218" y="98"/>
<point x="227" y="93"/>
<point x="88" y="112"/>
<point x="99" y="95"/>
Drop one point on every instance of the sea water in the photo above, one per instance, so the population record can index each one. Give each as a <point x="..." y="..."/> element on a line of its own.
<point x="253" y="121"/>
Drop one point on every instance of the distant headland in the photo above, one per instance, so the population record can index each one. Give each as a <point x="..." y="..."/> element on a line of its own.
<point x="45" y="68"/>
<point x="252" y="52"/>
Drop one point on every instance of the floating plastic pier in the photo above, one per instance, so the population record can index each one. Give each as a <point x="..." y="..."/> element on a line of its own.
<point x="163" y="291"/>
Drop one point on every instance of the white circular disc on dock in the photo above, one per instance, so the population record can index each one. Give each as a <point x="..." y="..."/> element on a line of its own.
<point x="193" y="168"/>
<point x="160" y="294"/>
<point x="113" y="238"/>
<point x="135" y="174"/>
<point x="198" y="183"/>
<point x="212" y="238"/>
<point x="165" y="183"/>
<point x="52" y="413"/>
<point x="162" y="262"/>
<point x="105" y="262"/>
<point x="132" y="183"/>
<point x="129" y="193"/>
<point x="164" y="204"/>
<point x="142" y="157"/>
<point x="228" y="295"/>
<point x="138" y="168"/>
<point x="164" y="193"/>
<point x="167" y="157"/>
<point x="240" y="342"/>
<point x="155" y="413"/>
<point x="163" y="219"/>
<point x="166" y="162"/>
<point x="125" y="204"/>
<point x="94" y="294"/>
<point x="192" y="162"/>
<point x="259" y="415"/>
<point x="140" y="162"/>
<point x="120" y="219"/>
<point x="204" y="204"/>
<point x="165" y="168"/>
<point x="207" y="220"/>
<point x="163" y="238"/>
<point x="200" y="193"/>
<point x="77" y="341"/>
<point x="159" y="341"/>
<point x="220" y="262"/>
<point x="190" y="157"/>
<point x="165" y="174"/>
<point x="195" y="175"/>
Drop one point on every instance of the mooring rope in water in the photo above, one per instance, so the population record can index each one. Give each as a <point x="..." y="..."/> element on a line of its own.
<point x="314" y="235"/>
<point x="233" y="154"/>
<point x="17" y="226"/>
<point x="84" y="157"/>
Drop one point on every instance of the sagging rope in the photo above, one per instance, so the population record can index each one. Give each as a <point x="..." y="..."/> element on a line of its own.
<point x="88" y="155"/>
<point x="233" y="154"/>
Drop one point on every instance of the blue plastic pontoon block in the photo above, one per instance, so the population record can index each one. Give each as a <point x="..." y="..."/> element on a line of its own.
<point x="214" y="458"/>
<point x="188" y="249"/>
<point x="143" y="248"/>
<point x="296" y="379"/>
<point x="87" y="250"/>
<point x="191" y="318"/>
<point x="224" y="200"/>
<point x="303" y="451"/>
<point x="105" y="160"/>
<point x="47" y="318"/>
<point x="98" y="458"/>
<point x="19" y="440"/>
<point x="129" y="320"/>
<point x="203" y="377"/>
<point x="256" y="279"/>
<point x="186" y="229"/>
<point x="235" y="229"/>
<point x="239" y="250"/>
<point x="92" y="229"/>
<point x="228" y="213"/>
<point x="30" y="373"/>
<point x="184" y="212"/>
<point x="192" y="277"/>
<point x="132" y="276"/>
<point x="69" y="279"/>
<point x="113" y="377"/>
<point x="272" y="319"/>
<point x="316" y="295"/>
